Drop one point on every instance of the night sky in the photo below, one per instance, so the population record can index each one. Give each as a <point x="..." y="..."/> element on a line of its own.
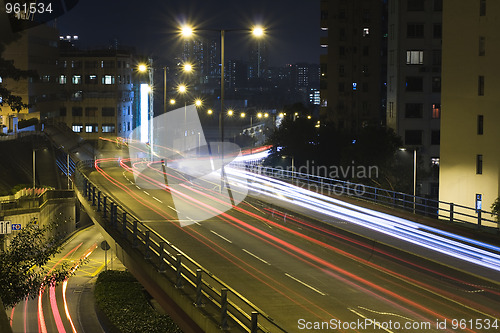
<point x="293" y="28"/>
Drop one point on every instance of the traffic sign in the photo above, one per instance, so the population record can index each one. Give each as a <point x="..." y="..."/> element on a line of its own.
<point x="5" y="227"/>
<point x="16" y="226"/>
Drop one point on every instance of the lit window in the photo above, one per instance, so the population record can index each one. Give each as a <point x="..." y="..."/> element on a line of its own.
<point x="1" y="80"/>
<point x="436" y="111"/>
<point x="108" y="79"/>
<point x="77" y="128"/>
<point x="77" y="79"/>
<point x="108" y="128"/>
<point x="354" y="86"/>
<point x="62" y="79"/>
<point x="366" y="32"/>
<point x="435" y="161"/>
<point x="414" y="57"/>
<point x="90" y="128"/>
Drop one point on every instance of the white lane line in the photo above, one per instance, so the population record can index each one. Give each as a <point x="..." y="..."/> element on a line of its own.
<point x="172" y="208"/>
<point x="157" y="199"/>
<point x="137" y="187"/>
<point x="224" y="238"/>
<point x="146" y="192"/>
<point x="193" y="220"/>
<point x="256" y="257"/>
<point x="376" y="323"/>
<point x="305" y="284"/>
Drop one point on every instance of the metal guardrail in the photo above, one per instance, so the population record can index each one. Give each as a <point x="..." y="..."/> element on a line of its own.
<point x="202" y="286"/>
<point x="422" y="206"/>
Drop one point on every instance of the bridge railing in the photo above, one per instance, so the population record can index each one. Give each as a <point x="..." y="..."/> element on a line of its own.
<point x="418" y="205"/>
<point x="205" y="290"/>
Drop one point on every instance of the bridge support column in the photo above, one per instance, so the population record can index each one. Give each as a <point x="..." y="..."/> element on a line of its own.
<point x="254" y="326"/>
<point x="104" y="207"/>
<point x="161" y="267"/>
<point x="223" y="309"/>
<point x="134" y="234"/>
<point x="88" y="192"/>
<point x="178" y="268"/>
<point x="147" y="253"/>
<point x="124" y="225"/>
<point x="99" y="201"/>
<point x="115" y="217"/>
<point x="93" y="196"/>
<point x="111" y="211"/>
<point x="198" y="302"/>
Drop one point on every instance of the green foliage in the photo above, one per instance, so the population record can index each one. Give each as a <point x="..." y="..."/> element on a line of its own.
<point x="22" y="271"/>
<point x="495" y="208"/>
<point x="123" y="300"/>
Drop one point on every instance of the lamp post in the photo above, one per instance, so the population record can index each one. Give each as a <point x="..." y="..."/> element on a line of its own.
<point x="149" y="68"/>
<point x="187" y="31"/>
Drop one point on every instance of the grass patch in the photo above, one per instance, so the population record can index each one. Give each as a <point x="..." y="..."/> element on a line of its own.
<point x="123" y="300"/>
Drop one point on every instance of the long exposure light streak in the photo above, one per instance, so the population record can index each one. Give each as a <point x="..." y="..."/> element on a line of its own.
<point x="396" y="227"/>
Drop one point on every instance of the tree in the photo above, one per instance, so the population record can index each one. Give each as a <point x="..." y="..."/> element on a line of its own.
<point x="8" y="70"/>
<point x="495" y="209"/>
<point x="22" y="271"/>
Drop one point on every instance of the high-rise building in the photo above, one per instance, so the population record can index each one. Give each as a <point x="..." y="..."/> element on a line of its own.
<point x="353" y="70"/>
<point x="203" y="55"/>
<point x="470" y="123"/>
<point x="414" y="83"/>
<point x="258" y="59"/>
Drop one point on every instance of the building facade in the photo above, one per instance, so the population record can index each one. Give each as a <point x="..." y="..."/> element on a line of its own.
<point x="470" y="123"/>
<point x="414" y="83"/>
<point x="353" y="70"/>
<point x="35" y="50"/>
<point x="96" y="92"/>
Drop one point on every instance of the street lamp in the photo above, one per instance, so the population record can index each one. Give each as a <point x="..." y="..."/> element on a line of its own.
<point x="149" y="68"/>
<point x="187" y="32"/>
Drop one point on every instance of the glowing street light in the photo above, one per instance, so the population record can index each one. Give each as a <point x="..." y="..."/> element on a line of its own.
<point x="182" y="88"/>
<point x="187" y="31"/>
<point x="198" y="102"/>
<point x="258" y="31"/>
<point x="230" y="112"/>
<point x="242" y="115"/>
<point x="172" y="101"/>
<point x="142" y="68"/>
<point x="187" y="67"/>
<point x="209" y="111"/>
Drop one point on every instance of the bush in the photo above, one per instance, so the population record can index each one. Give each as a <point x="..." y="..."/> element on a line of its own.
<point x="123" y="300"/>
<point x="495" y="208"/>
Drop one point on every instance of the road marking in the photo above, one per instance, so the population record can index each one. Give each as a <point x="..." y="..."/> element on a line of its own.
<point x="193" y="220"/>
<point x="146" y="192"/>
<point x="375" y="322"/>
<point x="137" y="187"/>
<point x="157" y="199"/>
<point x="172" y="208"/>
<point x="305" y="284"/>
<point x="97" y="270"/>
<point x="256" y="257"/>
<point x="224" y="238"/>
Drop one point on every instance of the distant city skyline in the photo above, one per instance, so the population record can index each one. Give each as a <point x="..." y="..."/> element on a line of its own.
<point x="293" y="28"/>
